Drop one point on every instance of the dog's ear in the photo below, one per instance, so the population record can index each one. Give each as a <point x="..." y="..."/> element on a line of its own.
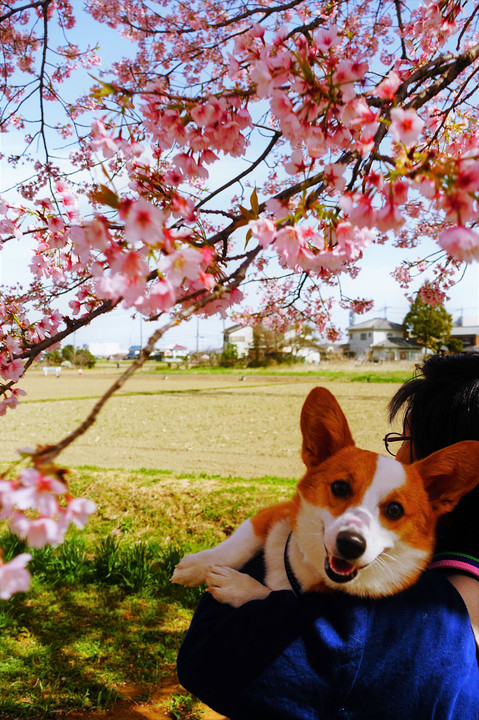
<point x="450" y="473"/>
<point x="324" y="427"/>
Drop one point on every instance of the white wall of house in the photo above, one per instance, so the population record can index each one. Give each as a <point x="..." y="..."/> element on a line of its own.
<point x="241" y="337"/>
<point x="361" y="340"/>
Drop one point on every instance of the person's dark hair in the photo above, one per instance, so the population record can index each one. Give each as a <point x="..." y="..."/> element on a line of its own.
<point x="441" y="403"/>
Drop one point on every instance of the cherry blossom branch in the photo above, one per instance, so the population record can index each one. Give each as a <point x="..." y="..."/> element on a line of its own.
<point x="30" y="6"/>
<point x="451" y="72"/>
<point x="243" y="174"/>
<point x="397" y="4"/>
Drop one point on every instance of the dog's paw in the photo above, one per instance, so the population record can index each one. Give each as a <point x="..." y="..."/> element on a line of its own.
<point x="191" y="570"/>
<point x="232" y="587"/>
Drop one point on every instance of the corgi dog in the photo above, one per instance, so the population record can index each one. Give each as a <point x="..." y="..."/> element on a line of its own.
<point x="359" y="522"/>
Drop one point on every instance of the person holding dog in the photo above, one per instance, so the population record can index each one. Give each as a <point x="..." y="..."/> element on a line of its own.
<point x="315" y="656"/>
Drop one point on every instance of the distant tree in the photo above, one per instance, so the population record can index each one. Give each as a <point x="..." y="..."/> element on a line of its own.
<point x="84" y="358"/>
<point x="54" y="357"/>
<point x="430" y="325"/>
<point x="455" y="345"/>
<point x="229" y="356"/>
<point x="81" y="357"/>
<point x="268" y="346"/>
<point x="68" y="353"/>
<point x="305" y="337"/>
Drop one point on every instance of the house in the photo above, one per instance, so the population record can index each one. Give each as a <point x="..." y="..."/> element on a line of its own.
<point x="241" y="336"/>
<point x="365" y="334"/>
<point x="133" y="352"/>
<point x="175" y="351"/>
<point x="379" y="339"/>
<point x="396" y="348"/>
<point x="469" y="334"/>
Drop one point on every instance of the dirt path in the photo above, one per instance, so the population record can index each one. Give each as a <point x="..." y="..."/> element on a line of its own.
<point x="129" y="710"/>
<point x="154" y="709"/>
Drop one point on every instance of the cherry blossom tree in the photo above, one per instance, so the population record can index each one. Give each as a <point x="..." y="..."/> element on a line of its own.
<point x="236" y="149"/>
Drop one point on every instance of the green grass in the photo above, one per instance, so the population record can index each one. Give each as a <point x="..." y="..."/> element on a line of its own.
<point x="102" y="617"/>
<point x="350" y="373"/>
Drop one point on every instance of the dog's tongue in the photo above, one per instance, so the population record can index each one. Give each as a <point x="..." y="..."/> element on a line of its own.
<point x="340" y="567"/>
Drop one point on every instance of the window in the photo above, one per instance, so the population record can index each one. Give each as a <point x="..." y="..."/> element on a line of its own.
<point x="364" y="336"/>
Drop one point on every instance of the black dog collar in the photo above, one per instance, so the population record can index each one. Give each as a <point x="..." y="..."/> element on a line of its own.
<point x="293" y="580"/>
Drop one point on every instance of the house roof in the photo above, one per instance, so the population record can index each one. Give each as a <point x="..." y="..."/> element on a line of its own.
<point x="233" y="328"/>
<point x="396" y="342"/>
<point x="376" y="324"/>
<point x="465" y="330"/>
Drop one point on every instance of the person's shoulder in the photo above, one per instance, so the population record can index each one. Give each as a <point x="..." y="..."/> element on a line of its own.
<point x="432" y="610"/>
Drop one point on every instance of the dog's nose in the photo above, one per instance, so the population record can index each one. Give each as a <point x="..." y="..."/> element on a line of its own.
<point x="350" y="544"/>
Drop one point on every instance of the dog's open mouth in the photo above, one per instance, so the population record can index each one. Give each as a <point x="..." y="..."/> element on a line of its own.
<point x="338" y="570"/>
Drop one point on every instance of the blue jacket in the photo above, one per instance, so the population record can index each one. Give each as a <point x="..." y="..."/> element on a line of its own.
<point x="335" y="657"/>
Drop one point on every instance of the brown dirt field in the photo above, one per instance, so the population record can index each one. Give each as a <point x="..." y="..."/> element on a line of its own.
<point x="192" y="424"/>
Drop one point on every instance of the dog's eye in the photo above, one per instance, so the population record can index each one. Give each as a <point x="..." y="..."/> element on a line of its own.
<point x="341" y="488"/>
<point x="394" y="510"/>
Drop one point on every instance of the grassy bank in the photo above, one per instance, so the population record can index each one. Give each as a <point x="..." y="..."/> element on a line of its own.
<point x="102" y="621"/>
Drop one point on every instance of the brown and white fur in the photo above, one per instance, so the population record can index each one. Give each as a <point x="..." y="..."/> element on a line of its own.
<point x="359" y="522"/>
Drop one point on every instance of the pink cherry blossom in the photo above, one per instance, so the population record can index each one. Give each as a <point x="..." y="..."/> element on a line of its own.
<point x="406" y="126"/>
<point x="279" y="209"/>
<point x="333" y="174"/>
<point x="325" y="39"/>
<point x="387" y="87"/>
<point x="38" y="532"/>
<point x="38" y="492"/>
<point x="460" y="242"/>
<point x="362" y="214"/>
<point x="467" y="179"/>
<point x="144" y="223"/>
<point x="14" y="577"/>
<point x="101" y="141"/>
<point x="459" y="207"/>
<point x="181" y="264"/>
<point x="296" y="164"/>
<point x="161" y="296"/>
<point x="12" y="370"/>
<point x="77" y="512"/>
<point x="389" y="217"/>
<point x="427" y="187"/>
<point x="264" y="230"/>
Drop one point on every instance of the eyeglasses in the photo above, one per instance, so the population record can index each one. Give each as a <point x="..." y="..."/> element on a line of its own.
<point x="393" y="437"/>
